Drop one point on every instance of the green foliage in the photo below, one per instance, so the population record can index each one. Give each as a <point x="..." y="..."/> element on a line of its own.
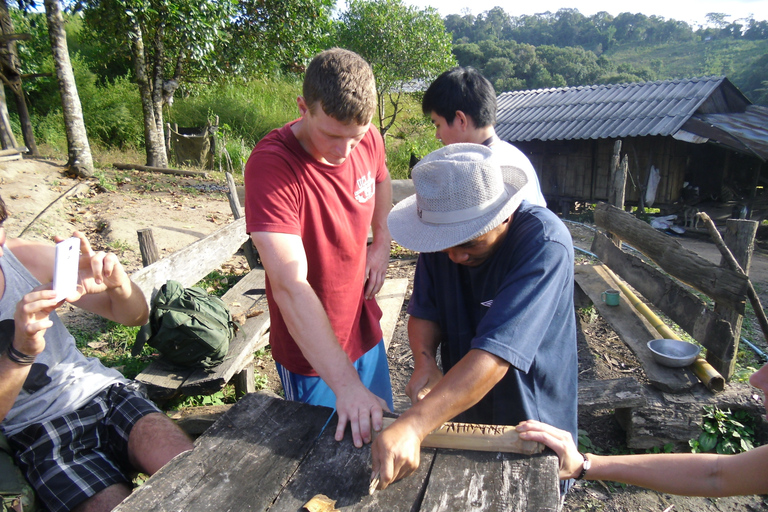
<point x="247" y="110"/>
<point x="724" y="432"/>
<point x="570" y="49"/>
<point x="667" y="448"/>
<point x="375" y="30"/>
<point x="278" y="35"/>
<point x="585" y="443"/>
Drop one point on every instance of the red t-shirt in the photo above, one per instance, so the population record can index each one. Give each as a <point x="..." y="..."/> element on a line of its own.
<point x="330" y="208"/>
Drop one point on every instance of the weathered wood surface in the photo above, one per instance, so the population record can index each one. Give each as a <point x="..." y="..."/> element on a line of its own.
<point x="683" y="307"/>
<point x="610" y="394"/>
<point x="738" y="246"/>
<point x="161" y="170"/>
<point x="193" y="262"/>
<point x="721" y="284"/>
<point x="462" y="480"/>
<point x="241" y="463"/>
<point x="164" y="381"/>
<point x="633" y="329"/>
<point x="269" y="454"/>
<point x="676" y="418"/>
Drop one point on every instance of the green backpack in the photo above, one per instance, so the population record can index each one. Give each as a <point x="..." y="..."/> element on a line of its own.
<point x="187" y="326"/>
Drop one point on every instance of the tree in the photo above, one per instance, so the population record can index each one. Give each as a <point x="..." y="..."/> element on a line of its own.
<point x="402" y="44"/>
<point x="79" y="160"/>
<point x="11" y="75"/>
<point x="170" y="41"/>
<point x="269" y="35"/>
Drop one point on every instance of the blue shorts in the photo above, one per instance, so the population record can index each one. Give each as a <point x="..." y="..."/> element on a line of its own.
<point x="71" y="458"/>
<point x="372" y="367"/>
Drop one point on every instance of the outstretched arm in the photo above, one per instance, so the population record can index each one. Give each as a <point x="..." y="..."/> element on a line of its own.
<point x="285" y="262"/>
<point x="688" y="474"/>
<point x="103" y="286"/>
<point x="396" y="451"/>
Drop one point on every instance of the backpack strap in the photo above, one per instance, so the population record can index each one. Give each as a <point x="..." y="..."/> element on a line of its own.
<point x="141" y="338"/>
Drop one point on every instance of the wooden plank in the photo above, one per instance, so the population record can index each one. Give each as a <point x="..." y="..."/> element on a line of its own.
<point x="633" y="329"/>
<point x="723" y="285"/>
<point x="193" y="262"/>
<point x="161" y="170"/>
<point x="250" y="453"/>
<point x="476" y="481"/>
<point x="610" y="394"/>
<point x="679" y="304"/>
<point x="343" y="472"/>
<point x="390" y="300"/>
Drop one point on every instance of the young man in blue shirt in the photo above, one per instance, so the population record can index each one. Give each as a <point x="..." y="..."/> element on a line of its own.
<point x="494" y="291"/>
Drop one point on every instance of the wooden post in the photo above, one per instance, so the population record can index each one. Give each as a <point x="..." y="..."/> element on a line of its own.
<point x="617" y="183"/>
<point x="251" y="256"/>
<point x="244" y="381"/>
<point x="147" y="246"/>
<point x="234" y="200"/>
<point x="739" y="238"/>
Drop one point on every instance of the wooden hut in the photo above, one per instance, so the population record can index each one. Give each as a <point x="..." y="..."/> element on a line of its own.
<point x="701" y="131"/>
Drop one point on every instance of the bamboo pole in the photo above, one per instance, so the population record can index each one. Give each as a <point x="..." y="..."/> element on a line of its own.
<point x="705" y="372"/>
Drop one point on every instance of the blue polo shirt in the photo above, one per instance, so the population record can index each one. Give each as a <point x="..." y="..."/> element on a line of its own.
<point x="518" y="305"/>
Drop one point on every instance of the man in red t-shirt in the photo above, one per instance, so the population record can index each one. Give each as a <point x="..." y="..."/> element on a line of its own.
<point x="313" y="188"/>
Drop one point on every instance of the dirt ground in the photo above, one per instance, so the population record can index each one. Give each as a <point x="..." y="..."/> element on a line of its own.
<point x="181" y="210"/>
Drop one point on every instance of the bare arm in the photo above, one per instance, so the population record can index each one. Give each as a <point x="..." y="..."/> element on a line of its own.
<point x="396" y="450"/>
<point x="285" y="262"/>
<point x="424" y="337"/>
<point x="378" y="252"/>
<point x="688" y="474"/>
<point x="104" y="287"/>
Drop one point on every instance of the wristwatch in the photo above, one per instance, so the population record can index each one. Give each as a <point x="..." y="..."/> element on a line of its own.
<point x="584" y="467"/>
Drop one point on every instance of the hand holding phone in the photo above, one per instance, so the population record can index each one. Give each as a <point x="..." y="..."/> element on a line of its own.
<point x="65" y="269"/>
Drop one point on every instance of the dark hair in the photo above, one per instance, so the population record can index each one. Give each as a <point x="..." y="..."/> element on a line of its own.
<point x="342" y="82"/>
<point x="465" y="89"/>
<point x="3" y="212"/>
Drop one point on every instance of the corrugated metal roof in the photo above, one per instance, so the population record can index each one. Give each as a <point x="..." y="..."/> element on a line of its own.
<point x="745" y="132"/>
<point x="602" y="111"/>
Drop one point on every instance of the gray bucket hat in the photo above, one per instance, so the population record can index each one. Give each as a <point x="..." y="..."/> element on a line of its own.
<point x="462" y="191"/>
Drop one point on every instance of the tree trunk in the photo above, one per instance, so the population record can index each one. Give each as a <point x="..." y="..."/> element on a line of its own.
<point x="153" y="140"/>
<point x="157" y="87"/>
<point x="9" y="61"/>
<point x="80" y="160"/>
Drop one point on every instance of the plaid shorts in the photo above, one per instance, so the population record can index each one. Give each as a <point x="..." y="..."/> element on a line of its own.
<point x="71" y="458"/>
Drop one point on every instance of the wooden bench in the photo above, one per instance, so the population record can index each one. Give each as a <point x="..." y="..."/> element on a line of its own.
<point x="244" y="300"/>
<point x="657" y="279"/>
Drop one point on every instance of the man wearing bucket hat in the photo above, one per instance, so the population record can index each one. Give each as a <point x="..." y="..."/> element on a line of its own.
<point x="494" y="291"/>
<point x="462" y="105"/>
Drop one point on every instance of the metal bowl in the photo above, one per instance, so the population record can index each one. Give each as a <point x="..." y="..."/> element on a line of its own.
<point x="673" y="353"/>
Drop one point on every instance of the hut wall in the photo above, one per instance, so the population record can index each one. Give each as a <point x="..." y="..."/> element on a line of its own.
<point x="579" y="170"/>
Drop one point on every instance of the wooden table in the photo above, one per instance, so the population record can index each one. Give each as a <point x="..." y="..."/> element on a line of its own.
<point x="270" y="454"/>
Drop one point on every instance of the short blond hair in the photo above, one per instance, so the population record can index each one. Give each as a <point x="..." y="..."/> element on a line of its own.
<point x="342" y="82"/>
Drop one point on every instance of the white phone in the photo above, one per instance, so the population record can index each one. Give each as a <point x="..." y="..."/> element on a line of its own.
<point x="65" y="268"/>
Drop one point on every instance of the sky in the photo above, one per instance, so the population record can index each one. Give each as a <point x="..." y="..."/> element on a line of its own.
<point x="693" y="12"/>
